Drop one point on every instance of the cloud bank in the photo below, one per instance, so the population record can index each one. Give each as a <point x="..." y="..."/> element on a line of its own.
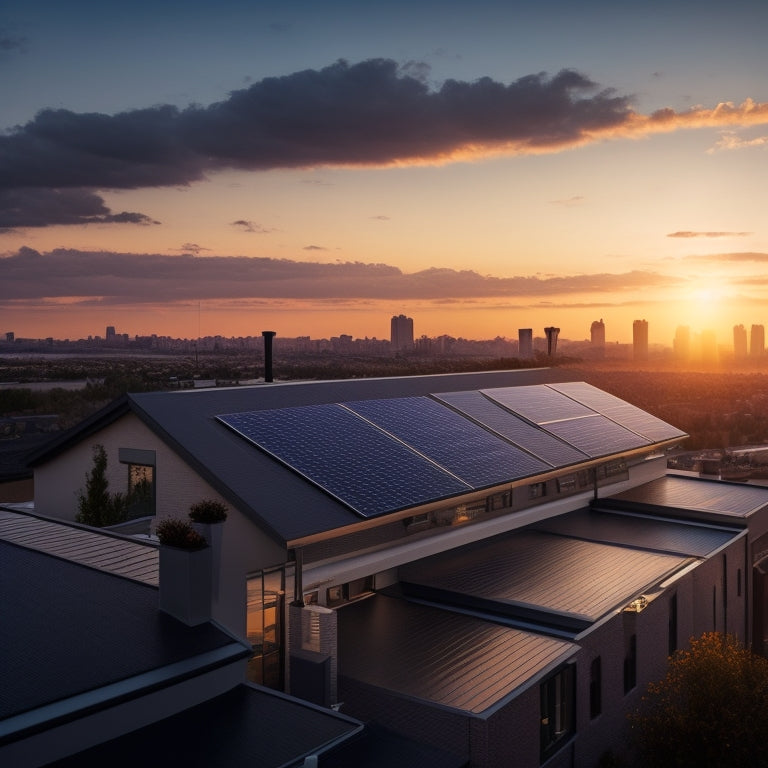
<point x="373" y="113"/>
<point x="149" y="278"/>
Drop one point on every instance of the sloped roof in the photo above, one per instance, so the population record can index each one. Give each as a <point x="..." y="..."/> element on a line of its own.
<point x="78" y="634"/>
<point x="640" y="531"/>
<point x="247" y="726"/>
<point x="532" y="576"/>
<point x="698" y="498"/>
<point x="439" y="656"/>
<point x="121" y="555"/>
<point x="296" y="486"/>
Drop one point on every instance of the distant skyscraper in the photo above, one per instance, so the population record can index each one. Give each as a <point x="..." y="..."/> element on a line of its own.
<point x="110" y="331"/>
<point x="757" y="341"/>
<point x="739" y="341"/>
<point x="682" y="342"/>
<point x="640" y="339"/>
<point x="401" y="333"/>
<point x="525" y="342"/>
<point x="552" y="334"/>
<point x="10" y="336"/>
<point x="597" y="335"/>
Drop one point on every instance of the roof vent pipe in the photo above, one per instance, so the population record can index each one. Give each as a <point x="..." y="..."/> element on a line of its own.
<point x="268" y="336"/>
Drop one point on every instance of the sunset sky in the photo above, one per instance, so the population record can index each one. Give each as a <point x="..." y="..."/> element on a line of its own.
<point x="197" y="168"/>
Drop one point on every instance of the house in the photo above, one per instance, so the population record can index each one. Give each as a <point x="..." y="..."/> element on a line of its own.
<point x="492" y="564"/>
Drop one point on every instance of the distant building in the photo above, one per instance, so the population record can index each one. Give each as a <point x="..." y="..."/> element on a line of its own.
<point x="552" y="334"/>
<point x="682" y="342"/>
<point x="640" y="339"/>
<point x="401" y="333"/>
<point x="708" y="347"/>
<point x="525" y="342"/>
<point x="110" y="332"/>
<point x="739" y="341"/>
<point x="757" y="341"/>
<point x="597" y="335"/>
<point x="10" y="337"/>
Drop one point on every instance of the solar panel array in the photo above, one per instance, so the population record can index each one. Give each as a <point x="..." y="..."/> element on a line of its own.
<point x="379" y="456"/>
<point x="347" y="457"/>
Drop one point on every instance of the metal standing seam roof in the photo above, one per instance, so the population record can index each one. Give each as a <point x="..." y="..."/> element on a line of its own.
<point x="113" y="554"/>
<point x="536" y="571"/>
<point x="641" y="532"/>
<point x="734" y="500"/>
<point x="440" y="656"/>
<point x="247" y="726"/>
<point x="75" y="630"/>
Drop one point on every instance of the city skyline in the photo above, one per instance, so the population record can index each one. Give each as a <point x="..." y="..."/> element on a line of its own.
<point x="198" y="170"/>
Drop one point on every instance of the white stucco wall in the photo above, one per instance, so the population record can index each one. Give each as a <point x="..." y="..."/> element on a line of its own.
<point x="245" y="548"/>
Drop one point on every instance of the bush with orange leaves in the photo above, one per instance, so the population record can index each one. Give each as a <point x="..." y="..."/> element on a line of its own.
<point x="711" y="709"/>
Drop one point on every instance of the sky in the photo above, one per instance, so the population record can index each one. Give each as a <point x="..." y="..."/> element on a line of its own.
<point x="191" y="168"/>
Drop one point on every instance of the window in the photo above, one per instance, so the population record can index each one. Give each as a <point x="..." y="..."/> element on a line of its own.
<point x="141" y="491"/>
<point x="557" y="710"/>
<point x="595" y="688"/>
<point x="630" y="664"/>
<point x="566" y="484"/>
<point x="140" y="494"/>
<point x="264" y="627"/>
<point x="672" y="624"/>
<point x="537" y="490"/>
<point x="343" y="593"/>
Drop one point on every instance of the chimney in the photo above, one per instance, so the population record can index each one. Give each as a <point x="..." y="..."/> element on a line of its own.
<point x="268" y="336"/>
<point x="552" y="334"/>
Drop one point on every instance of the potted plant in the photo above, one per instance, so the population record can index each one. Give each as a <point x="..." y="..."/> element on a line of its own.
<point x="185" y="572"/>
<point x="172" y="532"/>
<point x="206" y="515"/>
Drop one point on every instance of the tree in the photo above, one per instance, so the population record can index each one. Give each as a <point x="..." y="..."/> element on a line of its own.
<point x="96" y="506"/>
<point x="710" y="709"/>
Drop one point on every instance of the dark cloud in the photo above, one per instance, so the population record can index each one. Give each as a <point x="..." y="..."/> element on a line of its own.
<point x="10" y="43"/>
<point x="314" y="248"/>
<point x="371" y="113"/>
<point x="688" y="233"/>
<point x="192" y="248"/>
<point x="251" y="226"/>
<point x="26" y="207"/>
<point x="150" y="278"/>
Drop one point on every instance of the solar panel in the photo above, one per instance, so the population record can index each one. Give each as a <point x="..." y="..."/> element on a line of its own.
<point x="460" y="446"/>
<point x="596" y="435"/>
<point x="538" y="404"/>
<point x="366" y="469"/>
<point x="542" y="444"/>
<point x="620" y="411"/>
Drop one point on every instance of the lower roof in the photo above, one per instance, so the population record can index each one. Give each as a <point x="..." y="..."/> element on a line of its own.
<point x="707" y="499"/>
<point x="533" y="576"/>
<point x="122" y="555"/>
<point x="441" y="657"/>
<point x="77" y="633"/>
<point x="247" y="726"/>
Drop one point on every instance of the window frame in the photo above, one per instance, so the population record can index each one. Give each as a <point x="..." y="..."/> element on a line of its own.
<point x="557" y="709"/>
